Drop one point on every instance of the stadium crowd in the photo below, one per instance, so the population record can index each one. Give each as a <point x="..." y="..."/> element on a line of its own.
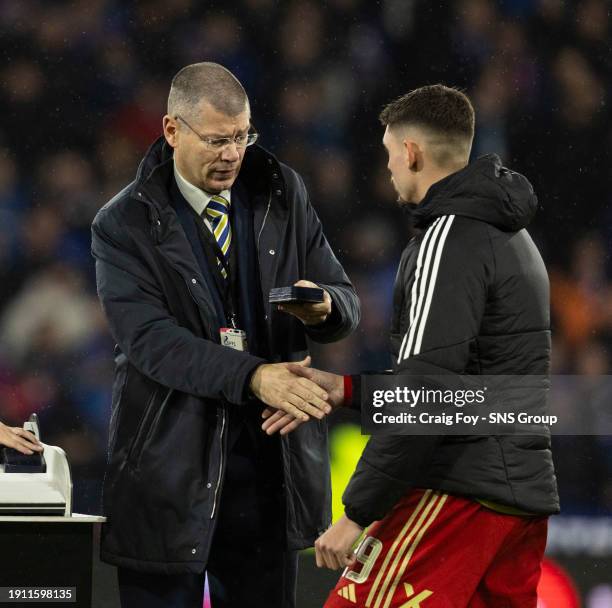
<point x="83" y="89"/>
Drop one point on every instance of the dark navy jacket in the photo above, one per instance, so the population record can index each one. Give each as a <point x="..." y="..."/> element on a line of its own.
<point x="175" y="384"/>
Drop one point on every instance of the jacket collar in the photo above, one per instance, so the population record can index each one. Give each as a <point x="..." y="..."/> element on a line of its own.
<point x="259" y="172"/>
<point x="484" y="190"/>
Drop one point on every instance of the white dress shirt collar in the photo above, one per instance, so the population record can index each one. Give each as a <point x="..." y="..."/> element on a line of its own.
<point x="196" y="197"/>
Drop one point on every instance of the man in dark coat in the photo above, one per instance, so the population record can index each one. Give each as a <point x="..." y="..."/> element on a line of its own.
<point x="185" y="258"/>
<point x="457" y="520"/>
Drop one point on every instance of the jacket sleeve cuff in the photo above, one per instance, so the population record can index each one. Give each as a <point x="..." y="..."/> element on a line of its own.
<point x="338" y="324"/>
<point x="247" y="395"/>
<point x="333" y="320"/>
<point x="361" y="519"/>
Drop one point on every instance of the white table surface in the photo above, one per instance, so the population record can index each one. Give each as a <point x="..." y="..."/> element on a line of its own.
<point x="76" y="518"/>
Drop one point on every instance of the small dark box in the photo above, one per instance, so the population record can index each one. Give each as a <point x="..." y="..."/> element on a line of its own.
<point x="279" y="295"/>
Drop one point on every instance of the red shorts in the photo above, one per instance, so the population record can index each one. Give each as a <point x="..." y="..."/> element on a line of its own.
<point x="439" y="551"/>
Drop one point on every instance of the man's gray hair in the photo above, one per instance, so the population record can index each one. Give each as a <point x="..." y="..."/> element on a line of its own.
<point x="210" y="82"/>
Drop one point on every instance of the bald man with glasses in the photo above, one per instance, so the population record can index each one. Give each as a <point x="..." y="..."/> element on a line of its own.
<point x="186" y="256"/>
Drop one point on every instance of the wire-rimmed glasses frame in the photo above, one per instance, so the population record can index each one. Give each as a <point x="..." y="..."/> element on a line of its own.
<point x="216" y="144"/>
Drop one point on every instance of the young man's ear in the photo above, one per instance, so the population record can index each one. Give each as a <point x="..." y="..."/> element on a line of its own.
<point x="412" y="154"/>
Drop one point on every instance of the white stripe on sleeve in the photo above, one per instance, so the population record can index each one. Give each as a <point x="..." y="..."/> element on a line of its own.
<point x="426" y="272"/>
<point x="415" y="284"/>
<point x="432" y="284"/>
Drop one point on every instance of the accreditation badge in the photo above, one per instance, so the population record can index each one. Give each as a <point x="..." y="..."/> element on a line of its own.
<point x="234" y="338"/>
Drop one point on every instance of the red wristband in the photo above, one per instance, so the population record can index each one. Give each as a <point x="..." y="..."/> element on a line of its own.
<point x="348" y="391"/>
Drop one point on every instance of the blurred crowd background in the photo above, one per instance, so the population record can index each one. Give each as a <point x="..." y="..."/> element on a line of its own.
<point x="83" y="87"/>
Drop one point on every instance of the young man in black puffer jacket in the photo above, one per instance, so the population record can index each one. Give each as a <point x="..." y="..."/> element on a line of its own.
<point x="459" y="521"/>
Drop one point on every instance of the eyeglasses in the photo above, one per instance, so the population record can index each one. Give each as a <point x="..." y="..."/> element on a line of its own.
<point x="216" y="144"/>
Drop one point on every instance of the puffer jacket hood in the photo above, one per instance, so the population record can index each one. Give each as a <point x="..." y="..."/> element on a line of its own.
<point x="484" y="190"/>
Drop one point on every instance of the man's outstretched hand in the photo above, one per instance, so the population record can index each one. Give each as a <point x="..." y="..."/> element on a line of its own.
<point x="285" y="422"/>
<point x="283" y="387"/>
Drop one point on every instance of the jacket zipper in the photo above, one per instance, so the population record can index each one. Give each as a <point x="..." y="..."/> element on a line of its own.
<point x="218" y="484"/>
<point x="268" y="325"/>
<point x="219" y="477"/>
<point x="264" y="223"/>
<point x="214" y="507"/>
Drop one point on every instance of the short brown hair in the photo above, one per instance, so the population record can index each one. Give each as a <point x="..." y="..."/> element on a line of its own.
<point x="210" y="82"/>
<point x="437" y="107"/>
<point x="445" y="112"/>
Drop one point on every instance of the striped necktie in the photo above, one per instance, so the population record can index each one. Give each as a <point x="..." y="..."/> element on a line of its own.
<point x="217" y="212"/>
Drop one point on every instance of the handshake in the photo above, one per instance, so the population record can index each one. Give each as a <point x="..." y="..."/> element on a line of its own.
<point x="293" y="392"/>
